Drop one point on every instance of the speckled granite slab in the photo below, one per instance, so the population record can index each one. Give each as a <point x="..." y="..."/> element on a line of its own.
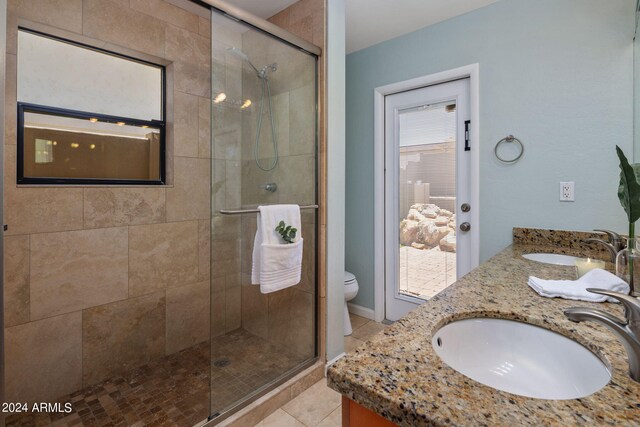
<point x="398" y="375"/>
<point x="562" y="241"/>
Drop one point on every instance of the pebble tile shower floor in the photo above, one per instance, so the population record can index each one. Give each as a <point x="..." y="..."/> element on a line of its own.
<point x="175" y="390"/>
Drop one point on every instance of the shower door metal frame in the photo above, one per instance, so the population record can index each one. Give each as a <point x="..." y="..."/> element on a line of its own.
<point x="3" y="56"/>
<point x="314" y="51"/>
<point x="263" y="25"/>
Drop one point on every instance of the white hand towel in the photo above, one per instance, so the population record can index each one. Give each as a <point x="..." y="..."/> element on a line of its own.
<point x="276" y="265"/>
<point x="577" y="289"/>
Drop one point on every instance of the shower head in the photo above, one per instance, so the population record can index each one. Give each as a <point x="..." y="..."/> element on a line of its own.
<point x="238" y="53"/>
<point x="242" y="56"/>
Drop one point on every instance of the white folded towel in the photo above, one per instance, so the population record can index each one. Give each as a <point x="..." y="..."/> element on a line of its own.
<point x="577" y="289"/>
<point x="276" y="265"/>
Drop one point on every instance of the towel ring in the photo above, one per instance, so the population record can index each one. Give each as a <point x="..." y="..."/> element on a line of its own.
<point x="509" y="138"/>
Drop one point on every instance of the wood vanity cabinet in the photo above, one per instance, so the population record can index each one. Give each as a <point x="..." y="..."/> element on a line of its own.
<point x="355" y="415"/>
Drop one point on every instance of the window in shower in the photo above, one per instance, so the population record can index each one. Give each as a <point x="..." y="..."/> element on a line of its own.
<point x="101" y="115"/>
<point x="264" y="152"/>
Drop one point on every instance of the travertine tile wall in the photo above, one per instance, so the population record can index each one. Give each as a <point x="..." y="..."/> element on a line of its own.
<point x="284" y="317"/>
<point x="99" y="280"/>
<point x="227" y="180"/>
<point x="307" y="20"/>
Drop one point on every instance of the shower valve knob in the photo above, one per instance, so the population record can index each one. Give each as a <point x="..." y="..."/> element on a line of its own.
<point x="271" y="187"/>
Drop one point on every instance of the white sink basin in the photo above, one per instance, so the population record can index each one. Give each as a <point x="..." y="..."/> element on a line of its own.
<point x="520" y="358"/>
<point x="555" y="259"/>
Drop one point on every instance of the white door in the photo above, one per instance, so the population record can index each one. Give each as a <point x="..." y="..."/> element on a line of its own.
<point x="428" y="238"/>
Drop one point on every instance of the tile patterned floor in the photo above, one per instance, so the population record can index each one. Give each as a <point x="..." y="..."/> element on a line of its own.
<point x="175" y="390"/>
<point x="362" y="329"/>
<point x="170" y="391"/>
<point x="242" y="363"/>
<point x="317" y="406"/>
<point x="424" y="273"/>
<point x="320" y="406"/>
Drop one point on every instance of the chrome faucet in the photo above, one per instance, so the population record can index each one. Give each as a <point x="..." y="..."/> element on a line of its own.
<point x="628" y="331"/>
<point x="614" y="244"/>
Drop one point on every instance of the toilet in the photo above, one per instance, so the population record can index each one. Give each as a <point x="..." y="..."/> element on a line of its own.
<point x="350" y="291"/>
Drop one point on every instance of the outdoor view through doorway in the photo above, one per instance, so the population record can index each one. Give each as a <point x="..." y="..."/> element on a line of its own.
<point x="427" y="143"/>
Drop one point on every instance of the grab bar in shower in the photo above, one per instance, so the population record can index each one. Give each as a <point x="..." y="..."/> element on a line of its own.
<point x="244" y="211"/>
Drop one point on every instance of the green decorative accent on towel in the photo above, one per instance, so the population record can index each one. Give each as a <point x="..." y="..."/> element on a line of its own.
<point x="287" y="232"/>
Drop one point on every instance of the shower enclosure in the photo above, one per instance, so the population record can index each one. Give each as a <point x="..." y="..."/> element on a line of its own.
<point x="133" y="305"/>
<point x="263" y="126"/>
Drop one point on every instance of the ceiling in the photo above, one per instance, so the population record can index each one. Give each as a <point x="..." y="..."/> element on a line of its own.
<point x="262" y="8"/>
<point x="373" y="21"/>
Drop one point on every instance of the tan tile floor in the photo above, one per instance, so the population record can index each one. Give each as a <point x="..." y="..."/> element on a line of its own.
<point x="320" y="406"/>
<point x="362" y="329"/>
<point x="175" y="390"/>
<point x="316" y="406"/>
<point x="242" y="363"/>
<point x="170" y="391"/>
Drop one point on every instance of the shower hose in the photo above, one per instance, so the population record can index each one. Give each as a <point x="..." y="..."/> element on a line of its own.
<point x="264" y="83"/>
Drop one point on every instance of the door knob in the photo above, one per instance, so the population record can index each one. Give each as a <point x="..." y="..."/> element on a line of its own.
<point x="465" y="207"/>
<point x="465" y="226"/>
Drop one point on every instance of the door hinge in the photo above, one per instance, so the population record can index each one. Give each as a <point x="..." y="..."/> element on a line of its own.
<point x="466" y="135"/>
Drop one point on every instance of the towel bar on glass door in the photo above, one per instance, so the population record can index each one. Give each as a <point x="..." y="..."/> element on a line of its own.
<point x="244" y="211"/>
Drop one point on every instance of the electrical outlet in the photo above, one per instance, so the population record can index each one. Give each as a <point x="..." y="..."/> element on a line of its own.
<point x="567" y="193"/>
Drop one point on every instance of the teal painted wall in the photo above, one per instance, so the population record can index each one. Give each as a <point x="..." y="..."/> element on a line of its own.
<point x="558" y="74"/>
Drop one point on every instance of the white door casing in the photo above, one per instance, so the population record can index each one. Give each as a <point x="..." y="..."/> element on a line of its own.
<point x="461" y="85"/>
<point x="397" y="304"/>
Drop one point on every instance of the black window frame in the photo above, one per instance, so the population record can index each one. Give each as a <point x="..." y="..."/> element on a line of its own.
<point x="23" y="107"/>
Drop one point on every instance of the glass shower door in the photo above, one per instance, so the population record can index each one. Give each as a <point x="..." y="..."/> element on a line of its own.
<point x="263" y="125"/>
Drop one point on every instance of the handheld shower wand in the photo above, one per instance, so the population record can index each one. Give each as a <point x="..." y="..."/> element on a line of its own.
<point x="266" y="90"/>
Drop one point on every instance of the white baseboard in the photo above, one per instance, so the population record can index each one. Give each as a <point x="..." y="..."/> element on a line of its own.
<point x="361" y="311"/>
<point x="332" y="361"/>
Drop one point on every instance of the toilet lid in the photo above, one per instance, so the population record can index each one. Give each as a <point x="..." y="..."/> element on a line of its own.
<point x="349" y="277"/>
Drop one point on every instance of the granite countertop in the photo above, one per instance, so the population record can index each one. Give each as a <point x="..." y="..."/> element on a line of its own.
<point x="398" y="375"/>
